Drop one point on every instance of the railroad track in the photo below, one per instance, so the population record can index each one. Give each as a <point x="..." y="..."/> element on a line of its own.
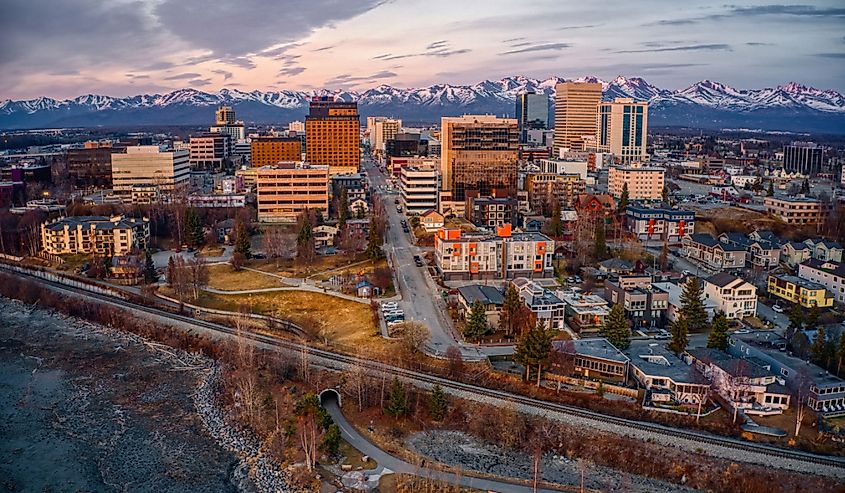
<point x="343" y="360"/>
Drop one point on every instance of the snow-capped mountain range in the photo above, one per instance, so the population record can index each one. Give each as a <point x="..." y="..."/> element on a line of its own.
<point x="705" y="104"/>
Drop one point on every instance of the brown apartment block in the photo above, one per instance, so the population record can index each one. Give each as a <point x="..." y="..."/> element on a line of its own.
<point x="91" y="166"/>
<point x="284" y="190"/>
<point x="268" y="150"/>
<point x="478" y="157"/>
<point x="333" y="135"/>
<point x="576" y="107"/>
<point x="546" y="188"/>
<point x="798" y="210"/>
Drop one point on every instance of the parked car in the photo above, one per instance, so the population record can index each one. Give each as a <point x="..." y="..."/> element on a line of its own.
<point x="777" y="308"/>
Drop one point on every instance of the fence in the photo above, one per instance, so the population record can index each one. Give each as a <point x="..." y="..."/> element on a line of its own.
<point x="594" y="384"/>
<point x="74" y="282"/>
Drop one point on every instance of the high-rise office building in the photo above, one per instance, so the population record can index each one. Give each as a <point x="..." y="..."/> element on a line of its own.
<point x="576" y="107"/>
<point x="802" y="157"/>
<point x="225" y="123"/>
<point x="285" y="190"/>
<point x="532" y="112"/>
<point x="384" y="130"/>
<point x="149" y="166"/>
<point x="478" y="156"/>
<point x="622" y="129"/>
<point x="333" y="135"/>
<point x="210" y="151"/>
<point x="91" y="166"/>
<point x="267" y="150"/>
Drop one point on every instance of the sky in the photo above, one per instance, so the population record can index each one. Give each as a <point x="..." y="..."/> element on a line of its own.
<point x="66" y="48"/>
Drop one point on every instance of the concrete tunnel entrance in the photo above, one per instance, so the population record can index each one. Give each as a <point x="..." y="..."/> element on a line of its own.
<point x="330" y="394"/>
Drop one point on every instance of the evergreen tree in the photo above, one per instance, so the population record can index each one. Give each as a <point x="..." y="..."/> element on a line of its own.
<point x="318" y="216"/>
<point x="305" y="239"/>
<point x="805" y="187"/>
<point x="437" y="403"/>
<point x="555" y="228"/>
<point x="718" y="338"/>
<point x="533" y="349"/>
<point x="193" y="228"/>
<point x="242" y="240"/>
<point x="476" y="325"/>
<point x="615" y="328"/>
<point x="840" y="353"/>
<point x="664" y="257"/>
<point x="812" y="317"/>
<point x="374" y="250"/>
<point x="600" y="245"/>
<point x="664" y="195"/>
<point x="680" y="338"/>
<point x="623" y="199"/>
<point x="342" y="208"/>
<point x="692" y="308"/>
<point x="150" y="274"/>
<point x="510" y="308"/>
<point x="771" y="191"/>
<point x="819" y="348"/>
<point x="331" y="440"/>
<point x="397" y="404"/>
<point x="796" y="320"/>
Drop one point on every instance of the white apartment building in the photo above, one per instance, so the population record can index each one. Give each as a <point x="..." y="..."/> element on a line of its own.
<point x="419" y="187"/>
<point x="382" y="131"/>
<point x="564" y="167"/>
<point x="94" y="235"/>
<point x="168" y="170"/>
<point x="732" y="295"/>
<point x="644" y="182"/>
<point x="829" y="274"/>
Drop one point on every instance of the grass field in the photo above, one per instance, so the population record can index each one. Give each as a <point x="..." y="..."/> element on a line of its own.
<point x="292" y="268"/>
<point x="221" y="276"/>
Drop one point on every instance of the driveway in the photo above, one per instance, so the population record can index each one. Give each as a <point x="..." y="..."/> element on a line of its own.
<point x="390" y="464"/>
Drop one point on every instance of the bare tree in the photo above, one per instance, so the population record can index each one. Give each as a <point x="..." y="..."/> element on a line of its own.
<point x="414" y="336"/>
<point x="304" y="366"/>
<point x="455" y="362"/>
<point x="800" y="390"/>
<point x="355" y="382"/>
<point x="277" y="243"/>
<point x="198" y="276"/>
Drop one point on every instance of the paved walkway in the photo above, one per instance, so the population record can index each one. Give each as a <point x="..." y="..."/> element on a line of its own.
<point x="390" y="464"/>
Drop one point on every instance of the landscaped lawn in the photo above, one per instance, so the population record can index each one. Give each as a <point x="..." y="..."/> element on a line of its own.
<point x="221" y="276"/>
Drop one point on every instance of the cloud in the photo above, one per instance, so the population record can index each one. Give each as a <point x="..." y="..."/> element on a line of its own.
<point x="511" y="40"/>
<point x="324" y="48"/>
<point x="241" y="61"/>
<point x="199" y="82"/>
<point x="438" y="49"/>
<point x="257" y="25"/>
<point x="186" y="75"/>
<point x="291" y="71"/>
<point x="437" y="44"/>
<point x="758" y="11"/>
<point x="836" y="56"/>
<point x="348" y="80"/>
<point x="538" y="47"/>
<point x="225" y="73"/>
<point x="699" y="47"/>
<point x="757" y="43"/>
<point x="383" y="56"/>
<point x="571" y="28"/>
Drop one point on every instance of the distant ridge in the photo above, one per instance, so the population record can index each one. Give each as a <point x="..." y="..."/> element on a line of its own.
<point x="705" y="104"/>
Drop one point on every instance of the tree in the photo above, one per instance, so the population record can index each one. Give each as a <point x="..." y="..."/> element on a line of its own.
<point x="455" y="362"/>
<point x="718" y="338"/>
<point x="305" y="249"/>
<point x="533" y="349"/>
<point x="623" y="199"/>
<point x="615" y="328"/>
<point x="664" y="195"/>
<point x="555" y="227"/>
<point x="692" y="308"/>
<point x="476" y="325"/>
<point x="600" y="245"/>
<point x="796" y="321"/>
<point x="237" y="261"/>
<point x="664" y="257"/>
<point x="375" y="242"/>
<point x="805" y="187"/>
<point x="193" y="228"/>
<point x="510" y="310"/>
<point x="414" y="337"/>
<point x="177" y="277"/>
<point x="397" y="404"/>
<point x="198" y="276"/>
<point x="771" y="191"/>
<point x="242" y="245"/>
<point x="150" y="274"/>
<point x="331" y="440"/>
<point x="276" y="243"/>
<point x="819" y="353"/>
<point x="437" y="403"/>
<point x="312" y="418"/>
<point x="342" y="208"/>
<point x="840" y="352"/>
<point x="680" y="335"/>
<point x="812" y="317"/>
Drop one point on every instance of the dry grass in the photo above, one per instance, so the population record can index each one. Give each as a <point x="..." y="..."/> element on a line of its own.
<point x="292" y="268"/>
<point x="211" y="251"/>
<point x="354" y="458"/>
<point x="221" y="276"/>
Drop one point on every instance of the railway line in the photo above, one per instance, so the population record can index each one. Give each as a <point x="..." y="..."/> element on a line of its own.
<point x="748" y="451"/>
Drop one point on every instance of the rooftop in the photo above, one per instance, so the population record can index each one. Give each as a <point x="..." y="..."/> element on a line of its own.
<point x="596" y="348"/>
<point x="486" y="294"/>
<point x="723" y="279"/>
<point x="799" y="282"/>
<point x="737" y="367"/>
<point x="652" y="358"/>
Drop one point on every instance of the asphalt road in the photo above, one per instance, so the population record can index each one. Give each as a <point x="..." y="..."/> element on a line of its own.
<point x="421" y="299"/>
<point x="388" y="463"/>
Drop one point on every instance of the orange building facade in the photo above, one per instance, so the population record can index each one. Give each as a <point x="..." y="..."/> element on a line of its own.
<point x="267" y="150"/>
<point x="505" y="255"/>
<point x="287" y="189"/>
<point x="333" y="135"/>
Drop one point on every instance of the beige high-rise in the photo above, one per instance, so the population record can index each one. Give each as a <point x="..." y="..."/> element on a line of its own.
<point x="285" y="190"/>
<point x="576" y="106"/>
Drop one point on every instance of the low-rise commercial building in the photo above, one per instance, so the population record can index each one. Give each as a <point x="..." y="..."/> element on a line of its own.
<point x="643" y="182"/>
<point x="732" y="295"/>
<point x="94" y="235"/>
<point x="504" y="255"/>
<point x="286" y="190"/>
<point x="221" y="200"/>
<point x="492" y="212"/>
<point x="798" y="210"/>
<point x="666" y="378"/>
<point x="595" y="358"/>
<point x="168" y="170"/>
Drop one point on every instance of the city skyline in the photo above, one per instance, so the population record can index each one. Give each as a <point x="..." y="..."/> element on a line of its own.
<point x="131" y="48"/>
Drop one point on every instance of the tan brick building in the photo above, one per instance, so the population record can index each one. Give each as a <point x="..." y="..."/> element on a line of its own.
<point x="798" y="210"/>
<point x="285" y="190"/>
<point x="269" y="150"/>
<point x="644" y="183"/>
<point x="576" y="107"/>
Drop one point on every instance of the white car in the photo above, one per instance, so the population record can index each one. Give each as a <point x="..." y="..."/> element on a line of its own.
<point x="777" y="308"/>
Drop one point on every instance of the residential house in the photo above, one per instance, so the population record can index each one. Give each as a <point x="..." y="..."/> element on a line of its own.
<point x="666" y="378"/>
<point x="712" y="253"/>
<point x="615" y="266"/>
<point x="794" y="253"/>
<point x="644" y="305"/>
<point x="544" y="304"/>
<point x="324" y="235"/>
<point x="762" y="254"/>
<point x="732" y="295"/>
<point x="590" y="204"/>
<point x="742" y="383"/>
<point x="801" y="291"/>
<point x="585" y="312"/>
<point x="489" y="296"/>
<point x="533" y="223"/>
<point x="594" y="358"/>
<point x="831" y="275"/>
<point x="674" y="292"/>
<point x="825" y="250"/>
<point x="821" y="391"/>
<point x="431" y="220"/>
<point x="359" y="207"/>
<point x="127" y="270"/>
